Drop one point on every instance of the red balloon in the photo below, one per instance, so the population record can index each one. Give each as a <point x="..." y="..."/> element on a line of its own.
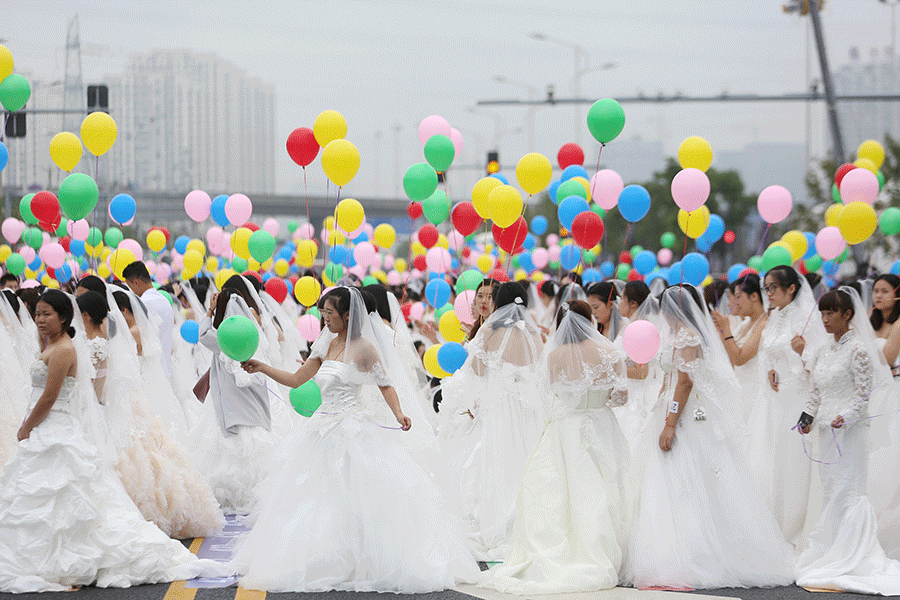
<point x="748" y="271"/>
<point x="45" y="208"/>
<point x="405" y="310"/>
<point x="302" y="146"/>
<point x="728" y="237"/>
<point x="843" y="170"/>
<point x="633" y="275"/>
<point x="802" y="268"/>
<point x="511" y="238"/>
<point x="414" y="210"/>
<point x="51" y="272"/>
<point x="587" y="229"/>
<point x="465" y="218"/>
<point x="428" y="236"/>
<point x="498" y="275"/>
<point x="466" y="252"/>
<point x="294" y="279"/>
<point x="164" y="231"/>
<point x="420" y="264"/>
<point x="252" y="274"/>
<point x="570" y="154"/>
<point x="277" y="288"/>
<point x="251" y="226"/>
<point x="625" y="257"/>
<point x="64" y="242"/>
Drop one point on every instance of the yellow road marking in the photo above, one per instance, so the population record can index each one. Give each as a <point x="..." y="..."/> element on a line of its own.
<point x="243" y="594"/>
<point x="177" y="591"/>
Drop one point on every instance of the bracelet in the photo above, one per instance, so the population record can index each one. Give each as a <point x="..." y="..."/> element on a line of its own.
<point x="730" y="337"/>
<point x="667" y="425"/>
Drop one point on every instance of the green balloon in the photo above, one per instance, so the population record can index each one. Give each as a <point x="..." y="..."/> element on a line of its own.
<point x="570" y="188"/>
<point x="554" y="264"/>
<point x="880" y="176"/>
<point x="167" y="296"/>
<point x="292" y="226"/>
<point x="775" y="256"/>
<point x="370" y="280"/>
<point x="469" y="280"/>
<point x="239" y="264"/>
<point x="78" y="195"/>
<point x="238" y="337"/>
<point x="314" y="311"/>
<point x="333" y="271"/>
<point x="755" y="263"/>
<point x="420" y="181"/>
<point x="440" y="312"/>
<point x="436" y="207"/>
<point x="113" y="237"/>
<point x="95" y="237"/>
<point x="33" y="237"/>
<point x="15" y="264"/>
<point x="25" y="210"/>
<point x="61" y="231"/>
<point x="813" y="263"/>
<point x="439" y="152"/>
<point x="588" y="257"/>
<point x="261" y="245"/>
<point x="307" y="398"/>
<point x="835" y="194"/>
<point x="156" y="285"/>
<point x="515" y="261"/>
<point x="622" y="271"/>
<point x="14" y="92"/>
<point x="667" y="240"/>
<point x="889" y="223"/>
<point x="605" y="120"/>
<point x="635" y="249"/>
<point x="599" y="210"/>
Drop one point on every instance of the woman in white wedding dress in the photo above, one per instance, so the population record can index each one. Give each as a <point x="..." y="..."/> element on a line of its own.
<point x="348" y="509"/>
<point x="14" y="385"/>
<point x="574" y="507"/>
<point x="700" y="524"/>
<point x="65" y="519"/>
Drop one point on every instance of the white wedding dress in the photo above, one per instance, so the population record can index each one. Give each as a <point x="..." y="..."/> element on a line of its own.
<point x="884" y="492"/>
<point x="66" y="520"/>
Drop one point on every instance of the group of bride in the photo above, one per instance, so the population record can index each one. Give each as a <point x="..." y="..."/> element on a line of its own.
<point x="552" y="455"/>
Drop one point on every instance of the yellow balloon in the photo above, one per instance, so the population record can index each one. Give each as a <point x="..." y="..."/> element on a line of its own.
<point x="443" y="242"/>
<point x="865" y="163"/>
<point x="307" y="290"/>
<point x="98" y="132"/>
<point x="431" y="362"/>
<point x="857" y="222"/>
<point x="329" y="223"/>
<point x="418" y="249"/>
<point x="505" y="205"/>
<point x="119" y="259"/>
<point x="253" y="264"/>
<point x="533" y="173"/>
<point x="197" y="245"/>
<point x="696" y="153"/>
<point x="330" y="125"/>
<point x="707" y="281"/>
<point x="222" y="276"/>
<point x="29" y="274"/>
<point x="349" y="214"/>
<point x="831" y="215"/>
<point x="306" y="253"/>
<point x="873" y="151"/>
<point x="5" y="252"/>
<point x="46" y="279"/>
<point x="796" y="243"/>
<point x="450" y="327"/>
<point x="94" y="251"/>
<point x="694" y="223"/>
<point x="66" y="150"/>
<point x="538" y="276"/>
<point x="6" y="62"/>
<point x="187" y="274"/>
<point x="520" y="275"/>
<point x="52" y="284"/>
<point x="380" y="276"/>
<point x="340" y="161"/>
<point x="266" y="264"/>
<point x="336" y="238"/>
<point x="400" y="265"/>
<point x="192" y="260"/>
<point x="384" y="236"/>
<point x="240" y="239"/>
<point x="282" y="267"/>
<point x="212" y="264"/>
<point x="480" y="194"/>
<point x="156" y="240"/>
<point x="586" y="184"/>
<point x="485" y="263"/>
<point x="105" y="252"/>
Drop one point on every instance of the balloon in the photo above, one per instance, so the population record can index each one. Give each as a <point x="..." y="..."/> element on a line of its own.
<point x="190" y="331"/>
<point x="12" y="229"/>
<point x="457" y="138"/>
<point x="307" y="290"/>
<point x="841" y="171"/>
<point x="384" y="235"/>
<point x="569" y="257"/>
<point x="302" y="146"/>
<point x="156" y="240"/>
<point x="468" y="280"/>
<point x="570" y="208"/>
<point x="122" y="208"/>
<point x="349" y="214"/>
<point x="15" y="264"/>
<point x="4" y="156"/>
<point x="504" y="205"/>
<point x="437" y="293"/>
<point x="6" y="62"/>
<point x="330" y="125"/>
<point x="240" y="242"/>
<point x="238" y="337"/>
<point x="856" y="222"/>
<point x="510" y="238"/>
<point x="774" y="204"/>
<point x="690" y="189"/>
<point x="45" y="208"/>
<point x="606" y="186"/>
<point x="667" y="240"/>
<point x="451" y="355"/>
<point x="238" y="209"/>
<point x="889" y="223"/>
<point x="431" y="126"/>
<point x="119" y="259"/>
<point x="217" y="210"/>
<point x="696" y="153"/>
<point x="431" y="362"/>
<point x="716" y="228"/>
<point x="65" y="150"/>
<point x="420" y="181"/>
<point x="32" y="237"/>
<point x="14" y="92"/>
<point x="414" y="210"/>
<point x="873" y="151"/>
<point x="307" y="398"/>
<point x="436" y="207"/>
<point x="53" y="255"/>
<point x="641" y="341"/>
<point x="664" y="256"/>
<point x="98" y="132"/>
<point x="439" y="152"/>
<point x="694" y="268"/>
<point x="197" y="204"/>
<point x="570" y="188"/>
<point x="193" y="261"/>
<point x="865" y="163"/>
<point x="695" y="223"/>
<point x="634" y="203"/>
<point x="480" y="193"/>
<point x="309" y="327"/>
<point x="644" y="261"/>
<point x="25" y="209"/>
<point x="796" y="242"/>
<point x="462" y="306"/>
<point x="570" y="154"/>
<point x="775" y="256"/>
<point x="831" y="215"/>
<point x="113" y="237"/>
<point x="605" y="120"/>
<point x="534" y="172"/>
<point x="340" y="161"/>
<point x="465" y="218"/>
<point x="859" y="185"/>
<point x="587" y="229"/>
<point x="261" y="245"/>
<point x="438" y="260"/>
<point x="428" y="235"/>
<point x="813" y="263"/>
<point x="78" y="195"/>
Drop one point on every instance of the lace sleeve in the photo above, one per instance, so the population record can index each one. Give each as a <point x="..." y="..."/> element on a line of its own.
<point x="687" y="354"/>
<point x="319" y="347"/>
<point x="814" y="400"/>
<point x="861" y="371"/>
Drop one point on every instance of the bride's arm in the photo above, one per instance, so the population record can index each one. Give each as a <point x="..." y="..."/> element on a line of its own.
<point x="59" y="363"/>
<point x="390" y="396"/>
<point x="292" y="380"/>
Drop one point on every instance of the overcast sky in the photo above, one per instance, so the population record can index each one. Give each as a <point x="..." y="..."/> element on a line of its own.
<point x="387" y="64"/>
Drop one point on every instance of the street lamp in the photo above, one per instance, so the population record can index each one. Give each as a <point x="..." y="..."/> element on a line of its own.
<point x="529" y="114"/>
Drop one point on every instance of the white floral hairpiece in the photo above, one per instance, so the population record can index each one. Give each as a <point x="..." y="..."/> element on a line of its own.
<point x="518" y="300"/>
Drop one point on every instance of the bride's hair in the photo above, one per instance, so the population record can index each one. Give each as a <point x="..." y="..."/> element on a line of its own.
<point x="579" y="307"/>
<point x="786" y="277"/>
<point x="94" y="306"/>
<point x="507" y="294"/>
<point x="62" y="306"/>
<point x="837" y="301"/>
<point x="340" y="297"/>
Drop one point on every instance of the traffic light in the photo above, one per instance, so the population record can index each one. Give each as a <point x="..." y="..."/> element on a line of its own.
<point x="98" y="98"/>
<point x="15" y="125"/>
<point x="493" y="162"/>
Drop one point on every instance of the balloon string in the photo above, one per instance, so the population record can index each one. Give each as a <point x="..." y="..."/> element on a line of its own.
<point x="680" y="289"/>
<point x="602" y="146"/>
<point x="762" y="239"/>
<point x="306" y="193"/>
<point x="451" y="227"/>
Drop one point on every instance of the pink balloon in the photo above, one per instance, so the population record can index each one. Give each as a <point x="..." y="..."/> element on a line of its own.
<point x="552" y="240"/>
<point x="438" y="260"/>
<point x="690" y="189"/>
<point x="45" y="237"/>
<point x="196" y="205"/>
<point x="309" y="327"/>
<point x="664" y="256"/>
<point x="53" y="255"/>
<point x="393" y="278"/>
<point x="417" y="311"/>
<point x="30" y="283"/>
<point x="641" y="341"/>
<point x="462" y="306"/>
<point x="163" y="272"/>
<point x="307" y="231"/>
<point x="774" y="204"/>
<point x="364" y="253"/>
<point x="134" y="246"/>
<point x="606" y="185"/>
<point x="540" y="257"/>
<point x="214" y="235"/>
<point x="433" y="125"/>
<point x="271" y="225"/>
<point x="225" y="246"/>
<point x="177" y="261"/>
<point x="457" y="138"/>
<point x="358" y="270"/>
<point x="554" y="252"/>
<point x="829" y="241"/>
<point x="456" y="241"/>
<point x="238" y="209"/>
<point x="151" y="266"/>
<point x="388" y="262"/>
<point x="859" y="185"/>
<point x="12" y="229"/>
<point x="78" y="230"/>
<point x="128" y="222"/>
<point x="28" y="253"/>
<point x="324" y="235"/>
<point x="367" y="227"/>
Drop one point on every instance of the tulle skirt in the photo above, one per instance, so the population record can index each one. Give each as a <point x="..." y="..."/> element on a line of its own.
<point x="348" y="509"/>
<point x="884" y="485"/>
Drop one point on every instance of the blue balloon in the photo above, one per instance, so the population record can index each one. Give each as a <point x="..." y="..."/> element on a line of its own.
<point x="454" y="263"/>
<point x="569" y="257"/>
<point x="84" y="265"/>
<point x="451" y="356"/>
<point x="525" y="262"/>
<point x="190" y="331"/>
<point x="694" y="268"/>
<point x="76" y="248"/>
<point x="895" y="268"/>
<point x="644" y="261"/>
<point x="574" y="171"/>
<point x="591" y="275"/>
<point x="607" y="268"/>
<point x="539" y="225"/>
<point x="217" y="211"/>
<point x="362" y="237"/>
<point x="338" y="255"/>
<point x="36" y="263"/>
<point x="63" y="273"/>
<point x="529" y="242"/>
<point x="810" y="245"/>
<point x="829" y="267"/>
<point x="122" y="208"/>
<point x="734" y="271"/>
<point x="674" y="274"/>
<point x="570" y="208"/>
<point x="437" y="293"/>
<point x="181" y="243"/>
<point x="703" y="243"/>
<point x="634" y="203"/>
<point x="716" y="229"/>
<point x="830" y="282"/>
<point x="501" y="177"/>
<point x="267" y="276"/>
<point x="4" y="156"/>
<point x="655" y="275"/>
<point x="554" y="185"/>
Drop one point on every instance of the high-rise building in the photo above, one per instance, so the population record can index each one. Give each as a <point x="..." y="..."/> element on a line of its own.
<point x="860" y="120"/>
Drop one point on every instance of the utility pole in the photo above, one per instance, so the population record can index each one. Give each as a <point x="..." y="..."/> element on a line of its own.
<point x="836" y="137"/>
